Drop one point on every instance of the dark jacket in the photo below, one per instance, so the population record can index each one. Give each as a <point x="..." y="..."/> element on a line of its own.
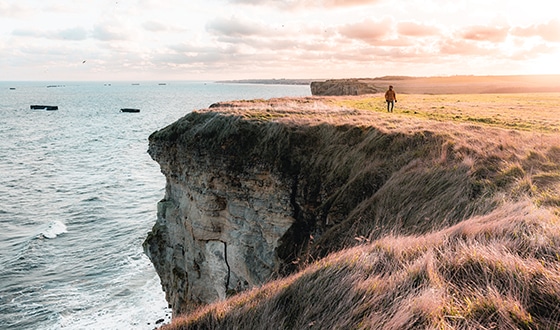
<point x="390" y="95"/>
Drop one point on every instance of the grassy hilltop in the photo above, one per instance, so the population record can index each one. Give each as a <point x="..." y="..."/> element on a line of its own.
<point x="443" y="214"/>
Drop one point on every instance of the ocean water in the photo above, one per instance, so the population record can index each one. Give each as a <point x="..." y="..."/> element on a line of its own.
<point x="78" y="194"/>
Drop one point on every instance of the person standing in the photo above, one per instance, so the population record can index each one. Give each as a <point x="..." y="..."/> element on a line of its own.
<point x="390" y="98"/>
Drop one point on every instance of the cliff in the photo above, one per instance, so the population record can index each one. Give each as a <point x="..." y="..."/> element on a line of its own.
<point x="257" y="189"/>
<point x="438" y="85"/>
<point x="337" y="87"/>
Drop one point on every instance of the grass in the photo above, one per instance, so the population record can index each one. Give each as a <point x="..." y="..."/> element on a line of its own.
<point x="435" y="218"/>
<point x="531" y="112"/>
<point x="498" y="271"/>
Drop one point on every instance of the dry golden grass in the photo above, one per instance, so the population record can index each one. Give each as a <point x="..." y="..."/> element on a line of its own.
<point x="531" y="112"/>
<point x="442" y="215"/>
<point x="500" y="271"/>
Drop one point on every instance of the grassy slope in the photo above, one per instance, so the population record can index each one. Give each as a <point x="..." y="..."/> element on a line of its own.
<point x="499" y="267"/>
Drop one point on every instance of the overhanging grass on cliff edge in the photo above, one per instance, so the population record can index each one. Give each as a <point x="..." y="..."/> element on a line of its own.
<point x="378" y="177"/>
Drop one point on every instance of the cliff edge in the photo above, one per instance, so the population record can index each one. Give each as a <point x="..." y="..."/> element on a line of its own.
<point x="256" y="189"/>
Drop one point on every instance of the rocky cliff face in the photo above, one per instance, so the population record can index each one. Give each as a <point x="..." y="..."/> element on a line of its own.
<point x="220" y="223"/>
<point x="252" y="189"/>
<point x="222" y="226"/>
<point x="337" y="87"/>
<point x="214" y="234"/>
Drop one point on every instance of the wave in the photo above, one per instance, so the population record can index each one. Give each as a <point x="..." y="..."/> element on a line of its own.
<point x="54" y="229"/>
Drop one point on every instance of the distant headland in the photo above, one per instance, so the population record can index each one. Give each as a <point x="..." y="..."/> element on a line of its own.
<point x="269" y="81"/>
<point x="460" y="84"/>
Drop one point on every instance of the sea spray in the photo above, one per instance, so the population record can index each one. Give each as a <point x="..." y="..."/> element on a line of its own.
<point x="54" y="229"/>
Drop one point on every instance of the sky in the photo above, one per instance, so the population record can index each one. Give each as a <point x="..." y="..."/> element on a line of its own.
<point x="111" y="40"/>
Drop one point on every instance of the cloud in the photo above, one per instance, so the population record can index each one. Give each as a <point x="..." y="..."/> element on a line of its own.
<point x="368" y="30"/>
<point x="485" y="33"/>
<point x="208" y="58"/>
<point x="186" y="48"/>
<point x="414" y="29"/>
<point x="549" y="31"/>
<point x="528" y="54"/>
<point x="188" y="56"/>
<point x="28" y="33"/>
<point x="299" y="4"/>
<point x="76" y="34"/>
<point x="13" y="10"/>
<point x="233" y="27"/>
<point x="106" y="32"/>
<point x="344" y="3"/>
<point x="154" y="26"/>
<point x="246" y="51"/>
<point x="463" y="47"/>
<point x="297" y="37"/>
<point x="64" y="8"/>
<point x="49" y="52"/>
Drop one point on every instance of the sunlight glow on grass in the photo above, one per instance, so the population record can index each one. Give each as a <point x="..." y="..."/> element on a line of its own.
<point x="537" y="112"/>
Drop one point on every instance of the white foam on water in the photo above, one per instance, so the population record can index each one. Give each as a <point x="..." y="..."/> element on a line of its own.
<point x="54" y="229"/>
<point x="142" y="311"/>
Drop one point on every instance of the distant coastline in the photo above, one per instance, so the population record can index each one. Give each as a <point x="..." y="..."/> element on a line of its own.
<point x="270" y="81"/>
<point x="440" y="85"/>
<point x="458" y="84"/>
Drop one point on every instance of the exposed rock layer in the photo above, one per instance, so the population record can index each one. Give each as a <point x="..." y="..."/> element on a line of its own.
<point x="336" y="87"/>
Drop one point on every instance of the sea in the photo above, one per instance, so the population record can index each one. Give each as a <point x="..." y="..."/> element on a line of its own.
<point x="78" y="195"/>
